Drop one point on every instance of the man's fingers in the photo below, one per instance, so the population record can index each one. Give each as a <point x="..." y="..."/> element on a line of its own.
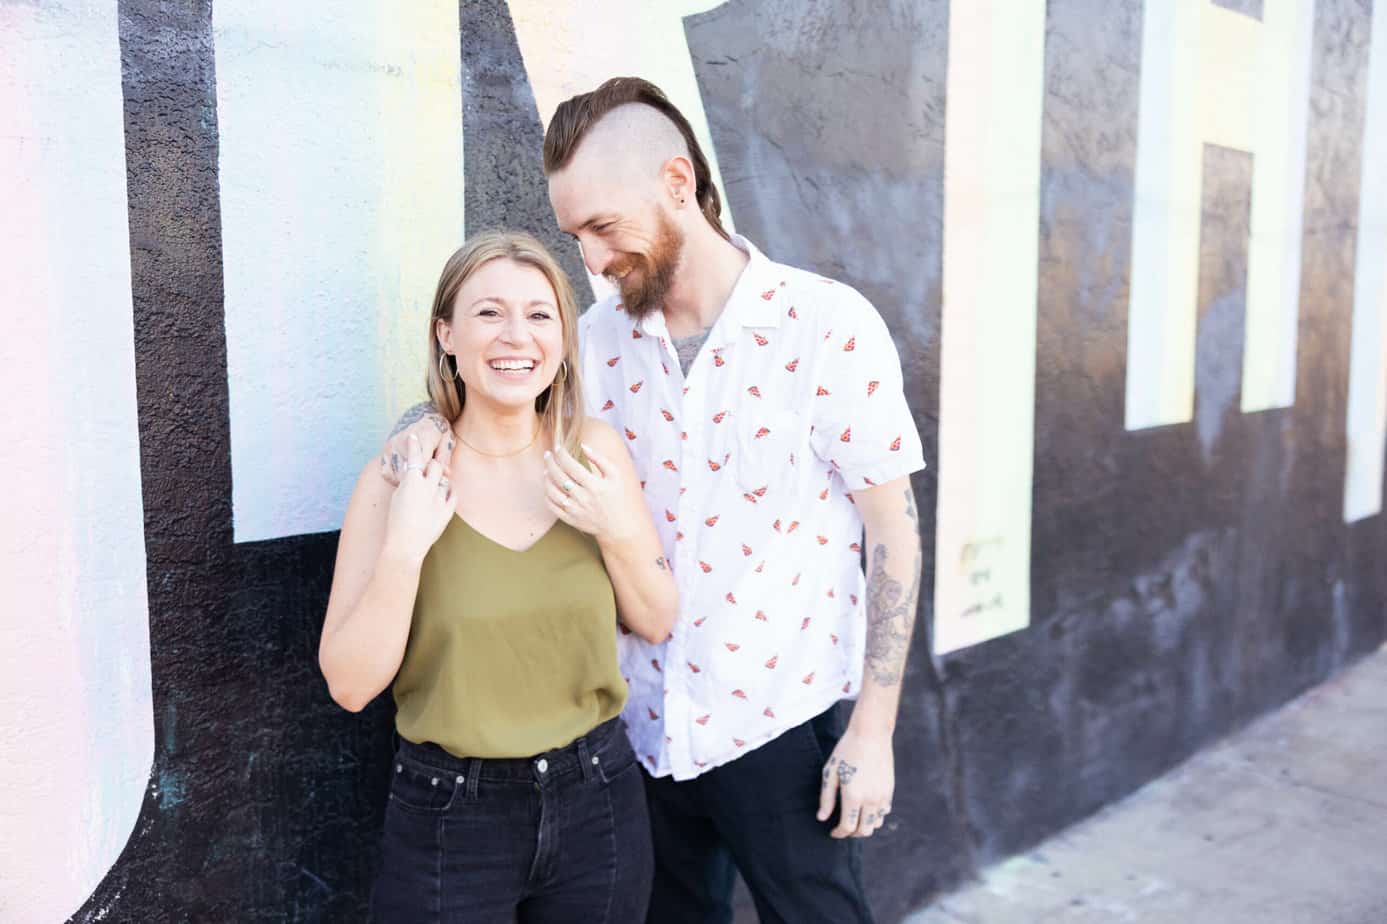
<point x="443" y="452"/>
<point x="850" y="816"/>
<point x="431" y="432"/>
<point x="828" y="790"/>
<point x="391" y="463"/>
<point x="871" y="820"/>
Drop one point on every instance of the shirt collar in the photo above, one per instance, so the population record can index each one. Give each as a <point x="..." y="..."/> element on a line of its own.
<point x="747" y="304"/>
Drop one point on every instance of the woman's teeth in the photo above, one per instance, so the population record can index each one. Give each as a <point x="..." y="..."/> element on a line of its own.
<point x="513" y="365"/>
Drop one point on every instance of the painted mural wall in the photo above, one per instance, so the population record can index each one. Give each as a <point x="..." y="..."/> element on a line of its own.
<point x="1134" y="256"/>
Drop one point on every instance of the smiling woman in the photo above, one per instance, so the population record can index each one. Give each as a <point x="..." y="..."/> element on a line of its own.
<point x="514" y="331"/>
<point x="485" y="589"/>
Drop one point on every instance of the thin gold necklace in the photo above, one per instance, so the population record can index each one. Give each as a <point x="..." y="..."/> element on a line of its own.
<point x="501" y="455"/>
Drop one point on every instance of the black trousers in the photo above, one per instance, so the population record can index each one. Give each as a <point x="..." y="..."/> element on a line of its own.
<point x="757" y="814"/>
<point x="558" y="838"/>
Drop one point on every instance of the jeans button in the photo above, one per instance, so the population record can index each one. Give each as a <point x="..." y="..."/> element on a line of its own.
<point x="542" y="765"/>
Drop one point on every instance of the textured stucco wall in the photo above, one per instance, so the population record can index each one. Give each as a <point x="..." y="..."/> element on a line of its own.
<point x="254" y="256"/>
<point x="74" y="627"/>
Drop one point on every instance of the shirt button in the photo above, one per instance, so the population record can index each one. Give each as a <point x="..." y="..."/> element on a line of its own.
<point x="542" y="765"/>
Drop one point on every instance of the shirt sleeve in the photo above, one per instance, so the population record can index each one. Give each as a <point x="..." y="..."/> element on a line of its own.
<point x="862" y="424"/>
<point x="590" y="368"/>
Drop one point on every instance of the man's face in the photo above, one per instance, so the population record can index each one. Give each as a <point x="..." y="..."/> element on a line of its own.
<point x="624" y="231"/>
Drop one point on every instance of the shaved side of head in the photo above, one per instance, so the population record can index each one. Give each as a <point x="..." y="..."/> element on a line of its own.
<point x="635" y="140"/>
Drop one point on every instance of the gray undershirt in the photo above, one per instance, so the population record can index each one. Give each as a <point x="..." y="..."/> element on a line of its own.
<point x="686" y="348"/>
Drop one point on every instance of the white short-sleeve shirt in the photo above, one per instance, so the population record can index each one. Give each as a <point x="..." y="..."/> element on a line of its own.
<point x="795" y="400"/>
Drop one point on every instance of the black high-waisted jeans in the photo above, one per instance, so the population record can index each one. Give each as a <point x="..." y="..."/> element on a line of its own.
<point x="559" y="837"/>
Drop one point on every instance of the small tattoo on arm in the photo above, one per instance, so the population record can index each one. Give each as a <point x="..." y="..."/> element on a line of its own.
<point x="661" y="563"/>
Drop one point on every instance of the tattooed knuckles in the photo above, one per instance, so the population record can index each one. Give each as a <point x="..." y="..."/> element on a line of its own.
<point x="861" y="776"/>
<point x="434" y="435"/>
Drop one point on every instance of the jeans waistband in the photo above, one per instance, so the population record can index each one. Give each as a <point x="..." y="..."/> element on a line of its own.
<point x="580" y="755"/>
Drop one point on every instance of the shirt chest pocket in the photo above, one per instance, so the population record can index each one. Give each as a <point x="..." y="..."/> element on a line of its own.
<point x="769" y="443"/>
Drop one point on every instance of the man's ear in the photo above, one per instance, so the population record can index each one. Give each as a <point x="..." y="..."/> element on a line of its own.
<point x="680" y="182"/>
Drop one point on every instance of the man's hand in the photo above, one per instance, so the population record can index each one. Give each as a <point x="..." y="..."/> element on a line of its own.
<point x="434" y="435"/>
<point x="861" y="775"/>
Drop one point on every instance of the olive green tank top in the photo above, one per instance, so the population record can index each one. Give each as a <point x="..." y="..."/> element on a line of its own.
<point x="510" y="653"/>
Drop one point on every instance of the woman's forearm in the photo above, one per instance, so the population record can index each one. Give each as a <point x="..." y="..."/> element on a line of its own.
<point x="361" y="657"/>
<point x="646" y="597"/>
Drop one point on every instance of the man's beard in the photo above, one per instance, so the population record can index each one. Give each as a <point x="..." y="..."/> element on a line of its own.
<point x="656" y="270"/>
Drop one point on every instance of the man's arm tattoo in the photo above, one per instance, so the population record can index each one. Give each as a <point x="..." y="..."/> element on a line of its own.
<point x="846" y="772"/>
<point x="891" y="611"/>
<point x="417" y="413"/>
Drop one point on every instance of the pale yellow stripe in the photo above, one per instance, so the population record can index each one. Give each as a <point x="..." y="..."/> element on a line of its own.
<point x="987" y="392"/>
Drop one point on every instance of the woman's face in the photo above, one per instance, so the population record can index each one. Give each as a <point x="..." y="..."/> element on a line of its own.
<point x="506" y="334"/>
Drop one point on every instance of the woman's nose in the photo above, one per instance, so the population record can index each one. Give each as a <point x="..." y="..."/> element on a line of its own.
<point x="514" y="330"/>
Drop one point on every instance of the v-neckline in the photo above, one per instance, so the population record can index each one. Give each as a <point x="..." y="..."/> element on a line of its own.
<point x="501" y="545"/>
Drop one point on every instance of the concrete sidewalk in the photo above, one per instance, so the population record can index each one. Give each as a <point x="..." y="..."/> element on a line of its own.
<point x="1284" y="822"/>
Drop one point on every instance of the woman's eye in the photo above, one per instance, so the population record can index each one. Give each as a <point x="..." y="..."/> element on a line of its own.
<point x="540" y="316"/>
<point x="487" y="312"/>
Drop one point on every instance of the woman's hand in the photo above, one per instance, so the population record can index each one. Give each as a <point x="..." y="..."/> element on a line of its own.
<point x="597" y="502"/>
<point x="420" y="508"/>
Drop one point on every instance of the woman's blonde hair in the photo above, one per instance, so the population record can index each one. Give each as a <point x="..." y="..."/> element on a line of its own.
<point x="560" y="406"/>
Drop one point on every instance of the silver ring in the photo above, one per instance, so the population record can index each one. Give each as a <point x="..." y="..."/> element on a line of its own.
<point x="414" y="466"/>
<point x="567" y="487"/>
<point x="444" y="483"/>
<point x="567" y="502"/>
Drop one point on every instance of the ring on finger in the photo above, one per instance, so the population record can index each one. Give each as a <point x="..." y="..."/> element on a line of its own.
<point x="414" y="467"/>
<point x="567" y="487"/>
<point x="567" y="502"/>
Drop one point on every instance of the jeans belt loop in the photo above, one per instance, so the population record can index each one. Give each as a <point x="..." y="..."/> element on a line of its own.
<point x="585" y="759"/>
<point x="473" y="774"/>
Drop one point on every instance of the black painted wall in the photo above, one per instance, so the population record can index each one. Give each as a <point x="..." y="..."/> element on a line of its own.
<point x="1184" y="579"/>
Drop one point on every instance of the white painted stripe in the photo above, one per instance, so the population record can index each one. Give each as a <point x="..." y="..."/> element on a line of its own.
<point x="996" y="80"/>
<point x="1281" y="101"/>
<point x="1367" y="383"/>
<point x="1213" y="76"/>
<point x="340" y="202"/>
<point x="75" y="698"/>
<point x="1165" y="221"/>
